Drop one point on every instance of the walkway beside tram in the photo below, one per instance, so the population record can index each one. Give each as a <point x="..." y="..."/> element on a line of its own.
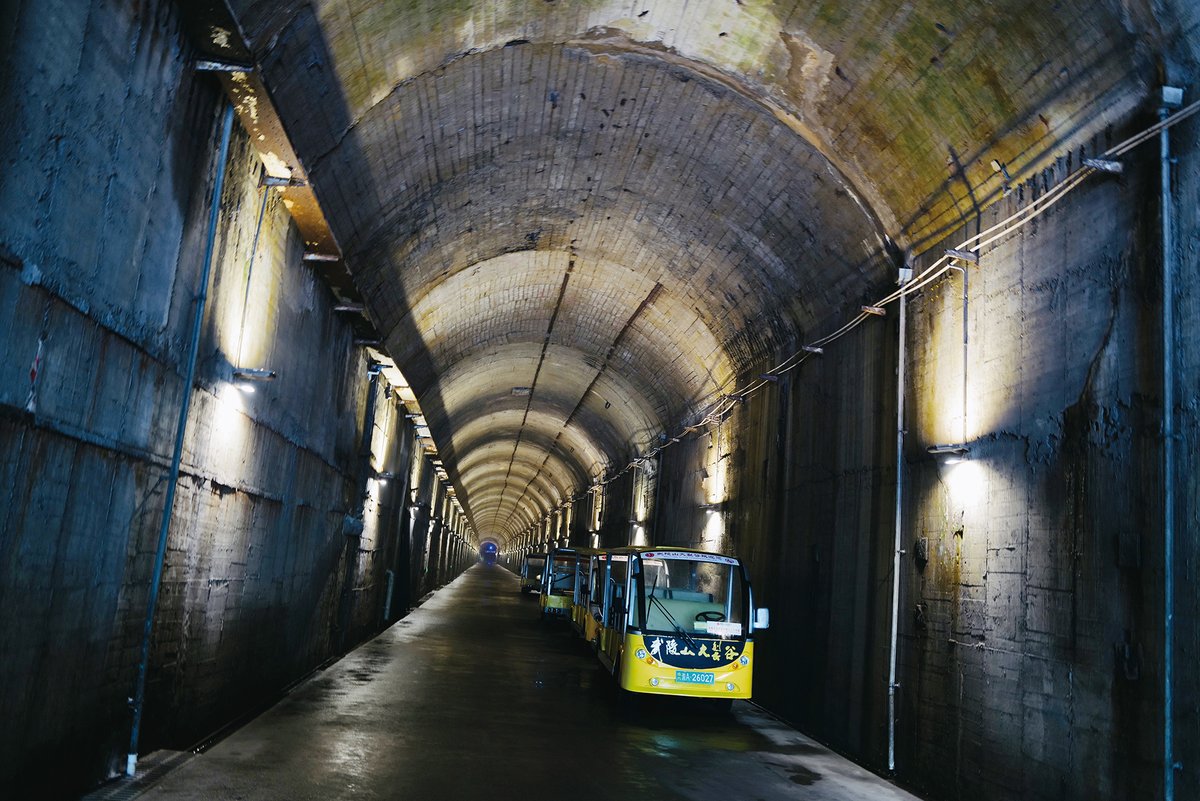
<point x="473" y="696"/>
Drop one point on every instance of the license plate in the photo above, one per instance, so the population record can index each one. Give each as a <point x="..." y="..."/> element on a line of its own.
<point x="693" y="677"/>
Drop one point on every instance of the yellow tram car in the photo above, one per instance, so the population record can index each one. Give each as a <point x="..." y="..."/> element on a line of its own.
<point x="676" y="621"/>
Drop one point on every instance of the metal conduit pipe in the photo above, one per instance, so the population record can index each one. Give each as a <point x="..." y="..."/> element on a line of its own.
<point x="965" y="344"/>
<point x="139" y="691"/>
<point x="1170" y="97"/>
<point x="896" y="550"/>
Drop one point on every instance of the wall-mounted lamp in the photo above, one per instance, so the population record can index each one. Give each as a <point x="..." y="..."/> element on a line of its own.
<point x="877" y="311"/>
<point x="813" y="349"/>
<point x="950" y="454"/>
<point x="963" y="255"/>
<point x="245" y="377"/>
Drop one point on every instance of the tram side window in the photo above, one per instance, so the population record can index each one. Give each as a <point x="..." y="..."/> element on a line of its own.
<point x="616" y="594"/>
<point x="598" y="579"/>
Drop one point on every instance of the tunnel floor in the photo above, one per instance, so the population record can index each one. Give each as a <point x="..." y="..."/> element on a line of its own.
<point x="474" y="696"/>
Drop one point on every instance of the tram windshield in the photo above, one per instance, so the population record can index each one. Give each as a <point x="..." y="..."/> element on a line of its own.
<point x="533" y="567"/>
<point x="561" y="577"/>
<point x="692" y="593"/>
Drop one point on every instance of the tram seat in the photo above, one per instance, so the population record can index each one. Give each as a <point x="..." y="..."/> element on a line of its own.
<point x="684" y="611"/>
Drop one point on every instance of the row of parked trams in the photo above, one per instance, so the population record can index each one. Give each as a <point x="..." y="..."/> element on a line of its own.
<point x="666" y="621"/>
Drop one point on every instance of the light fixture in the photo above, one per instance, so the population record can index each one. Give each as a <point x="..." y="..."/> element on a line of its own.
<point x="244" y="377"/>
<point x="253" y="374"/>
<point x="963" y="255"/>
<point x="950" y="454"/>
<point x="812" y="349"/>
<point x="877" y="311"/>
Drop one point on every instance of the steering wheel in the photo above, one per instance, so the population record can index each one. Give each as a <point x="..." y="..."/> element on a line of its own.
<point x="710" y="616"/>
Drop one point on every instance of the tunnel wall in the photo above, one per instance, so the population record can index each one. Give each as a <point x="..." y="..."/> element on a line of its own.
<point x="1033" y="617"/>
<point x="1031" y="609"/>
<point x="109" y="160"/>
<point x="798" y="482"/>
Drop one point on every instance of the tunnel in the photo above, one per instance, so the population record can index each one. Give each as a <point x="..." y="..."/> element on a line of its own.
<point x="318" y="316"/>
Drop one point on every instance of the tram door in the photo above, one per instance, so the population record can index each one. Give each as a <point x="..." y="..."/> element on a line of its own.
<point x="615" y="616"/>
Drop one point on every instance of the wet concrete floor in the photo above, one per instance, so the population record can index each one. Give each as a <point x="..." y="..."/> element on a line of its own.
<point x="474" y="696"/>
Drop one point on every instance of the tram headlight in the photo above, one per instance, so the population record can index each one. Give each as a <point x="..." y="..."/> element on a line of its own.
<point x="641" y="653"/>
<point x="729" y="685"/>
<point x="745" y="660"/>
<point x="654" y="681"/>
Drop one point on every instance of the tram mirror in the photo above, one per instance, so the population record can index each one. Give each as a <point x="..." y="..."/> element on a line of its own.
<point x="762" y="618"/>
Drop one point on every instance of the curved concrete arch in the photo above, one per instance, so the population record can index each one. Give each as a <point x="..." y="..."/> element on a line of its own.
<point x="739" y="157"/>
<point x="845" y="87"/>
<point x="566" y="388"/>
<point x="527" y="475"/>
<point x="498" y="476"/>
<point x="569" y="445"/>
<point x="555" y="290"/>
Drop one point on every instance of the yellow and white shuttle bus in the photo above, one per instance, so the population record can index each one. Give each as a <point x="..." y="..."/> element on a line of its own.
<point x="678" y="622"/>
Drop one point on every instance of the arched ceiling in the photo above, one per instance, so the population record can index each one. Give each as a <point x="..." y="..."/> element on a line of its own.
<point x="575" y="223"/>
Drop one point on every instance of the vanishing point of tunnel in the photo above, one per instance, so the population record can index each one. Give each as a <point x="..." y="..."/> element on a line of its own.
<point x="318" y="317"/>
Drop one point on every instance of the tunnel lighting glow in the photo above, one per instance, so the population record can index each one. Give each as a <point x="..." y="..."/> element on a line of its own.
<point x="877" y="311"/>
<point x="966" y="482"/>
<point x="230" y="430"/>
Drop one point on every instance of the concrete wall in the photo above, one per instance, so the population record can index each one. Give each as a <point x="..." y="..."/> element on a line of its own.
<point x="1032" y="658"/>
<point x="109" y="154"/>
<point x="1032" y="609"/>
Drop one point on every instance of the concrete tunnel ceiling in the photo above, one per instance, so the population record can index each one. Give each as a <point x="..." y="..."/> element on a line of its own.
<point x="624" y="207"/>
